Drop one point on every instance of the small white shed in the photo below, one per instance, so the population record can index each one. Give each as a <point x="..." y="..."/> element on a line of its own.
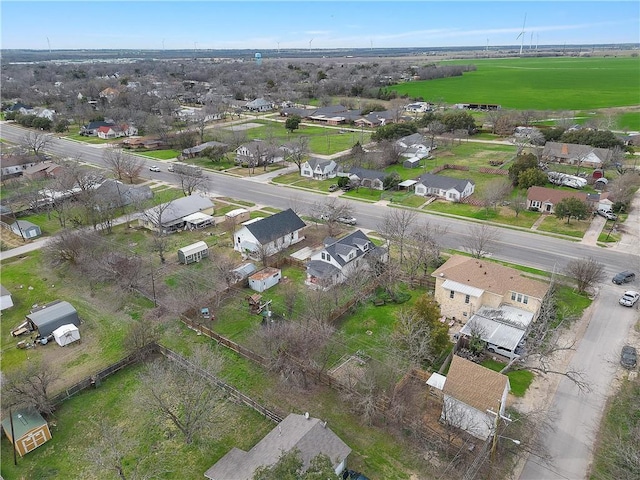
<point x="265" y="279"/>
<point x="193" y="253"/>
<point x="66" y="334"/>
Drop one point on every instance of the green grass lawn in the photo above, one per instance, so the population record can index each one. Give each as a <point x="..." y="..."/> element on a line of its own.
<point x="537" y="83"/>
<point x="519" y="379"/>
<point x="629" y="121"/>
<point x="575" y="228"/>
<point x="160" y="154"/>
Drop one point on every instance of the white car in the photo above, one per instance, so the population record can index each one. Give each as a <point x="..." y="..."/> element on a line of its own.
<point x="630" y="298"/>
<point x="347" y="220"/>
<point x="153" y="168"/>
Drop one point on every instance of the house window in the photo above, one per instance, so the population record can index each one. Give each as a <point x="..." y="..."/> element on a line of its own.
<point x="519" y="300"/>
<point x="513" y="296"/>
<point x="323" y="256"/>
<point x="525" y="299"/>
<point x="535" y="203"/>
<point x="238" y="240"/>
<point x="452" y="294"/>
<point x="466" y="299"/>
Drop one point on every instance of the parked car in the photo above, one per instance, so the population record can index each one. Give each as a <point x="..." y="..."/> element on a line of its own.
<point x="154" y="168"/>
<point x="623" y="277"/>
<point x="347" y="220"/>
<point x="334" y="187"/>
<point x="609" y="215"/>
<point x="170" y="168"/>
<point x="628" y="357"/>
<point x="347" y="187"/>
<point x="630" y="298"/>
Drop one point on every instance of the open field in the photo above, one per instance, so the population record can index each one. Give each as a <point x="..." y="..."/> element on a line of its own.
<point x="537" y="83"/>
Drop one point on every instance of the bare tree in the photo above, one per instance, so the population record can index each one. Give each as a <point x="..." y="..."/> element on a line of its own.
<point x="140" y="334"/>
<point x="480" y="240"/>
<point x="37" y="141"/>
<point x="396" y="228"/>
<point x="586" y="272"/>
<point x="154" y="216"/>
<point x="191" y="180"/>
<point x="113" y="157"/>
<point x="331" y="210"/>
<point x="412" y="338"/>
<point x="424" y="248"/>
<point x="518" y="203"/>
<point x="184" y="394"/>
<point x="110" y="449"/>
<point x="495" y="192"/>
<point x="299" y="151"/>
<point x="30" y="386"/>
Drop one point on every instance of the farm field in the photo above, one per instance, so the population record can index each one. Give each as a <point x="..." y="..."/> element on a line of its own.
<point x="537" y="83"/>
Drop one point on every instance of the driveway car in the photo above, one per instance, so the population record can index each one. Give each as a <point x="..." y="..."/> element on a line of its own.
<point x="630" y="298"/>
<point x="153" y="168"/>
<point x="624" y="277"/>
<point x="334" y="187"/>
<point x="347" y="220"/>
<point x="607" y="214"/>
<point x="628" y="357"/>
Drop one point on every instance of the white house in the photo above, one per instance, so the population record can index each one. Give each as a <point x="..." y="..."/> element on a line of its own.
<point x="473" y="396"/>
<point x="257" y="153"/>
<point x="452" y="189"/>
<point x="269" y="235"/>
<point x="414" y="145"/>
<point x="174" y="215"/>
<point x="319" y="169"/>
<point x="340" y="258"/>
<point x="259" y="105"/>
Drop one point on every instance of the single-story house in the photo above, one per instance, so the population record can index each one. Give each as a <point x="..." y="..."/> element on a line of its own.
<point x="269" y="235"/>
<point x="340" y="258"/>
<point x="259" y="105"/>
<point x="198" y="149"/>
<point x="452" y="189"/>
<point x="51" y="316"/>
<point x="171" y="216"/>
<point x="464" y="284"/>
<point x="193" y="253"/>
<point x="257" y="153"/>
<point x="584" y="155"/>
<point x="414" y="145"/>
<point x="26" y="429"/>
<point x="116" y="131"/>
<point x="26" y="229"/>
<point x="5" y="298"/>
<point x="114" y="194"/>
<point x="545" y="199"/>
<point x="473" y="396"/>
<point x="42" y="170"/>
<point x="91" y="129"/>
<point x="367" y="178"/>
<point x="419" y="107"/>
<point x="310" y="436"/>
<point x="11" y="165"/>
<point x="265" y="279"/>
<point x="319" y="169"/>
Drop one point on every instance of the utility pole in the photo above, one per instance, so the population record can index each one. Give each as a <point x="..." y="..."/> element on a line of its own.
<point x="13" y="437"/>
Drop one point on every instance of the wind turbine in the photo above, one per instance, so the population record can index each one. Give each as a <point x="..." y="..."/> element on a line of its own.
<point x="310" y="44"/>
<point x="49" y="44"/>
<point x="531" y="41"/>
<point x="521" y="36"/>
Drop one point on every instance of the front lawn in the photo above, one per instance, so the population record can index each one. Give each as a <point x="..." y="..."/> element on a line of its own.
<point x="553" y="224"/>
<point x="169" y="154"/>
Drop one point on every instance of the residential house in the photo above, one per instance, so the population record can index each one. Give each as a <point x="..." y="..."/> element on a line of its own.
<point x="413" y="146"/>
<point x="378" y="119"/>
<point x="143" y="142"/>
<point x="5" y="298"/>
<point x="91" y="129"/>
<point x="473" y="396"/>
<point x="15" y="165"/>
<point x="113" y="194"/>
<point x="266" y="236"/>
<point x="310" y="436"/>
<point x="367" y="178"/>
<point x="464" y="284"/>
<point x="41" y="170"/>
<point x="448" y="188"/>
<point x="20" y="108"/>
<point x="257" y="153"/>
<point x="109" y="94"/>
<point x="583" y="155"/>
<point x="259" y="105"/>
<point x="175" y="215"/>
<point x="319" y="169"/>
<point x="419" y="107"/>
<point x="116" y="131"/>
<point x="545" y="199"/>
<point x="26" y="429"/>
<point x="340" y="258"/>
<point x="198" y="149"/>
<point x="26" y="229"/>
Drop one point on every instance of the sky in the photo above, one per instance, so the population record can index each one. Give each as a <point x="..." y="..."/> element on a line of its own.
<point x="261" y="25"/>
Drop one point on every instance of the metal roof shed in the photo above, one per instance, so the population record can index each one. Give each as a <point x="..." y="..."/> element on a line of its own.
<point x="52" y="316"/>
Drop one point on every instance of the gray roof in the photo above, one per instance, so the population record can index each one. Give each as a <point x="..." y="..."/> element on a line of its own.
<point x="202" y="146"/>
<point x="413" y="139"/>
<point x="51" y="313"/>
<point x="365" y="173"/>
<point x="179" y="209"/>
<point x="309" y="435"/>
<point x="276" y="226"/>
<point x="445" y="183"/>
<point x="4" y="291"/>
<point x="320" y="269"/>
<point x="315" y="162"/>
<point x="572" y="150"/>
<point x="24" y="224"/>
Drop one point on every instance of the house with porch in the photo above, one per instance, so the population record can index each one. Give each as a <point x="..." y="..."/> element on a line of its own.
<point x="545" y="199"/>
<point x="176" y="215"/>
<point x="319" y="169"/>
<point x="367" y="178"/>
<point x="259" y="105"/>
<point x="447" y="188"/>
<point x="583" y="155"/>
<point x="465" y="284"/>
<point x="473" y="396"/>
<point x="340" y="258"/>
<point x="267" y="236"/>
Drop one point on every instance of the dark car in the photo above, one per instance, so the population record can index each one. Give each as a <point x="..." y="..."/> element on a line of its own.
<point x="628" y="357"/>
<point x="334" y="187"/>
<point x="624" y="277"/>
<point x="353" y="475"/>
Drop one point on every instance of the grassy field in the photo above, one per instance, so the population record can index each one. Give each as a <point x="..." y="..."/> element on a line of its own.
<point x="538" y="83"/>
<point x="161" y="154"/>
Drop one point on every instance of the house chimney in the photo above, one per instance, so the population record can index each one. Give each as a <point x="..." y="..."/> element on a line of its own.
<point x="565" y="149"/>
